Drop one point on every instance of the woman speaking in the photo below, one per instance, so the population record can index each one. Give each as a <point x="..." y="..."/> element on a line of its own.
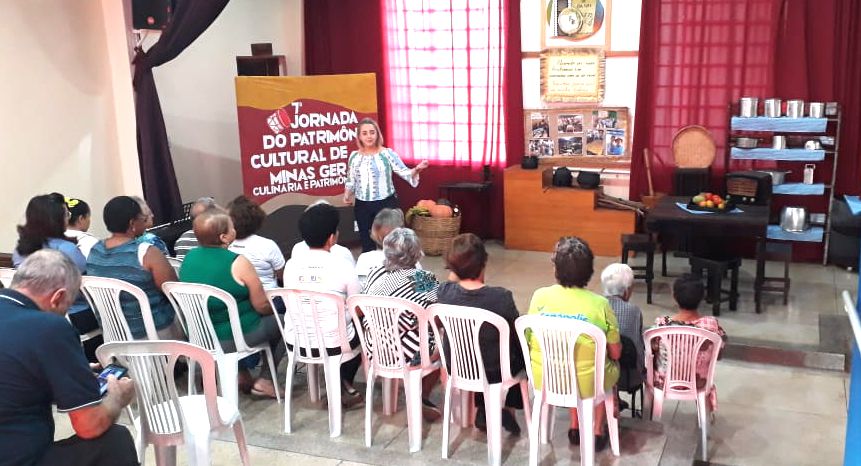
<point x="369" y="186"/>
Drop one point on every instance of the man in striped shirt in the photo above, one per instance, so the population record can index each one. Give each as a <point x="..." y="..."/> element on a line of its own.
<point x="188" y="241"/>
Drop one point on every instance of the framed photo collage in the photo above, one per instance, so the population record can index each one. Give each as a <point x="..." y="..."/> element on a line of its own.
<point x="587" y="133"/>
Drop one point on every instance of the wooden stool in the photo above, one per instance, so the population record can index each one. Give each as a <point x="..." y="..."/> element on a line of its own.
<point x="775" y="252"/>
<point x="641" y="242"/>
<point x="716" y="269"/>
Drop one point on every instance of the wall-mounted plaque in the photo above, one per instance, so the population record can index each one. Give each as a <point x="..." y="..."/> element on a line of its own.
<point x="572" y="75"/>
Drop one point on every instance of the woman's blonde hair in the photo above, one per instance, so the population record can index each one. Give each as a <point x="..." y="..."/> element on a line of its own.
<point x="369" y="121"/>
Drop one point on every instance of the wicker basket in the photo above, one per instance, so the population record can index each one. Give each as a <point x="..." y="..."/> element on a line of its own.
<point x="693" y="147"/>
<point x="435" y="233"/>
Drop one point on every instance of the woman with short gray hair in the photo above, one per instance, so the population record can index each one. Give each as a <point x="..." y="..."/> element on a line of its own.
<point x="385" y="221"/>
<point x="399" y="278"/>
<point x="617" y="280"/>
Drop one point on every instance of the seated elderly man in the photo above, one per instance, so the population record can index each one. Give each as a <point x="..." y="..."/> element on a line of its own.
<point x="41" y="363"/>
<point x="617" y="281"/>
<point x="320" y="268"/>
<point x="187" y="241"/>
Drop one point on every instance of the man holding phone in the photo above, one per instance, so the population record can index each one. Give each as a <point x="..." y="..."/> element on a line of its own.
<point x="42" y="363"/>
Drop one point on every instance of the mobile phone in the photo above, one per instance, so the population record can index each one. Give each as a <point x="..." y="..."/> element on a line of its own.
<point x="112" y="369"/>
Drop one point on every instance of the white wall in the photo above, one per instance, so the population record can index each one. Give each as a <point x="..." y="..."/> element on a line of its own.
<point x="620" y="71"/>
<point x="59" y="126"/>
<point x="198" y="97"/>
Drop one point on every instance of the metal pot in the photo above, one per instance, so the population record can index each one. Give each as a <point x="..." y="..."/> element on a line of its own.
<point x="778" y="142"/>
<point x="795" y="108"/>
<point x="772" y="107"/>
<point x="816" y="110"/>
<point x="777" y="176"/>
<point x="794" y="219"/>
<point x="747" y="107"/>
<point x="746" y="143"/>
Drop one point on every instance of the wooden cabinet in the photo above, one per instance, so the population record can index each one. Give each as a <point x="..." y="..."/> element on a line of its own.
<point x="537" y="214"/>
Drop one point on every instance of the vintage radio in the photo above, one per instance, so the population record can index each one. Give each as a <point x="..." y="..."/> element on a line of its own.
<point x="748" y="187"/>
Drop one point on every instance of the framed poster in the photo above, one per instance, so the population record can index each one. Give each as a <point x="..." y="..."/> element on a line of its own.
<point x="588" y="136"/>
<point x="568" y="22"/>
<point x="572" y="75"/>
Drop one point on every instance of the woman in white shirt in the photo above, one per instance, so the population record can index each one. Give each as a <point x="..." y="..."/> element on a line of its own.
<point x="79" y="223"/>
<point x="369" y="187"/>
<point x="263" y="253"/>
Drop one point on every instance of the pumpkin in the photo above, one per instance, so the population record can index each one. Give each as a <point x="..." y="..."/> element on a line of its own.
<point x="441" y="211"/>
<point x="426" y="203"/>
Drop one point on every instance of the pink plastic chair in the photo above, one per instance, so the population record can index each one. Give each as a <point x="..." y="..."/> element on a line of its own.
<point x="302" y="313"/>
<point x="682" y="344"/>
<point x="556" y="338"/>
<point x="387" y="357"/>
<point x="466" y="369"/>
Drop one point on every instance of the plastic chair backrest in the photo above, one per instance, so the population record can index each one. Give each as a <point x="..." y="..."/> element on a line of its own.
<point x="6" y="275"/>
<point x="683" y="344"/>
<point x="557" y="338"/>
<point x="151" y="365"/>
<point x="103" y="295"/>
<point x="462" y="326"/>
<point x="190" y="301"/>
<point x="304" y="320"/>
<point x="382" y="314"/>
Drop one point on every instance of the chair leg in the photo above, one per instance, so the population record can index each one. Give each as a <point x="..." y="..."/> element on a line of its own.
<point x="786" y="282"/>
<point x="413" y="392"/>
<point x="664" y="262"/>
<point x="390" y="396"/>
<point x="535" y="429"/>
<point x="165" y="455"/>
<point x="192" y="369"/>
<point x="493" y="413"/>
<point x="313" y="382"/>
<point x="624" y="255"/>
<point x="657" y="404"/>
<point x="524" y="393"/>
<point x="702" y="416"/>
<point x="446" y="418"/>
<point x="369" y="406"/>
<point x="228" y="371"/>
<point x="612" y="421"/>
<point x="546" y="423"/>
<point x="239" y="433"/>
<point x="273" y="371"/>
<point x="288" y="393"/>
<point x="714" y="291"/>
<point x="586" y="415"/>
<point x="198" y="451"/>
<point x="333" y="394"/>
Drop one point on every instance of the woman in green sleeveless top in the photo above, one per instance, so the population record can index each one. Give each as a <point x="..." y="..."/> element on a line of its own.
<point x="212" y="264"/>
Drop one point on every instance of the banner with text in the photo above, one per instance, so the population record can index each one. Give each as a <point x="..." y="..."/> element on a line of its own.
<point x="296" y="132"/>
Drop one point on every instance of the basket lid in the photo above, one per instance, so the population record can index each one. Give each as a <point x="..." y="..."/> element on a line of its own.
<point x="693" y="147"/>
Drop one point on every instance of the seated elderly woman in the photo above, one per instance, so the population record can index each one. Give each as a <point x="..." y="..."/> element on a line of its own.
<point x="262" y="252"/>
<point x="688" y="292"/>
<point x="617" y="281"/>
<point x="211" y="263"/>
<point x="399" y="277"/>
<point x="385" y="221"/>
<point x="123" y="256"/>
<point x="574" y="264"/>
<point x="467" y="258"/>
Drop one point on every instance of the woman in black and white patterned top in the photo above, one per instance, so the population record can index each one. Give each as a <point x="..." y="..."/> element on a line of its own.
<point x="399" y="278"/>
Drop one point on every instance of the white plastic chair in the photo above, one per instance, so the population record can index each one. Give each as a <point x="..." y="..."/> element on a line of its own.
<point x="683" y="344"/>
<point x="103" y="295"/>
<point x="190" y="302"/>
<point x="302" y="314"/>
<point x="556" y="338"/>
<point x="466" y="372"/>
<point x="387" y="358"/>
<point x="6" y="275"/>
<point x="167" y="419"/>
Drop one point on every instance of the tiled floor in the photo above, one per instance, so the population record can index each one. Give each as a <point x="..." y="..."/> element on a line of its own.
<point x="767" y="414"/>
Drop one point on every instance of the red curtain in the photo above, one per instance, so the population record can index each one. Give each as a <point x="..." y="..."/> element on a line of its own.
<point x="819" y="59"/>
<point x="697" y="56"/>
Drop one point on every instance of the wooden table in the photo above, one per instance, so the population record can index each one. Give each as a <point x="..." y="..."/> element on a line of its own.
<point x="667" y="217"/>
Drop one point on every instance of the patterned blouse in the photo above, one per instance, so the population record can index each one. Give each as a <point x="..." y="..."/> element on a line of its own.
<point x="369" y="177"/>
<point x="703" y="358"/>
<point x="418" y="286"/>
